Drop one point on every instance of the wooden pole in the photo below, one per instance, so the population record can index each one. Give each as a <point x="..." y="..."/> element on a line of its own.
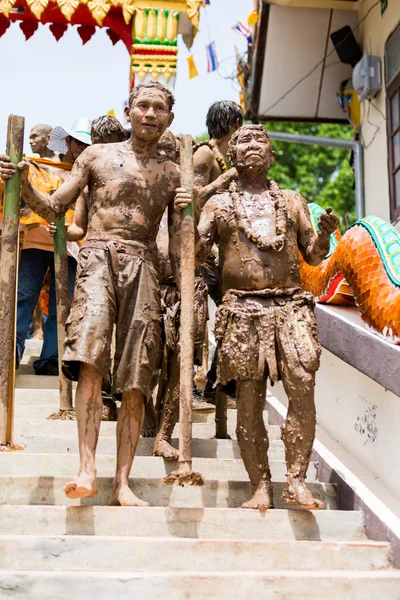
<point x="185" y="475"/>
<point x="63" y="307"/>
<point x="9" y="280"/>
<point x="186" y="331"/>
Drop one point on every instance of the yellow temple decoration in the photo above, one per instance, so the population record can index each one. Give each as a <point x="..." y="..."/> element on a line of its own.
<point x="100" y="8"/>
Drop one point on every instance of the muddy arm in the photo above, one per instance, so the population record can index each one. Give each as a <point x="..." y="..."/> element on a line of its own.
<point x="77" y="230"/>
<point x="203" y="160"/>
<point x="314" y="247"/>
<point x="174" y="227"/>
<point x="207" y="233"/>
<point x="55" y="206"/>
<point x="222" y="183"/>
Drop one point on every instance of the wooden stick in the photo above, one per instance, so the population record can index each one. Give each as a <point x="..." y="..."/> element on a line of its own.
<point x="63" y="307"/>
<point x="186" y="331"/>
<point x="185" y="475"/>
<point x="9" y="280"/>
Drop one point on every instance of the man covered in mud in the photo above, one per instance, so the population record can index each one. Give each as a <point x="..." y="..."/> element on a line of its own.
<point x="129" y="187"/>
<point x="265" y="324"/>
<point x="211" y="169"/>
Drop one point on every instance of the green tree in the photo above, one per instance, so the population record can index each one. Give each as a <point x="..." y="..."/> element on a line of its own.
<point x="320" y="174"/>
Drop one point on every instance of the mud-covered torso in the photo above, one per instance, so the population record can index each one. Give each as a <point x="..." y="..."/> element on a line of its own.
<point x="243" y="265"/>
<point x="128" y="195"/>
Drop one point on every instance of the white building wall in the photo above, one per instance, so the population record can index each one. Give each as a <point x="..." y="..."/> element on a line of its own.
<point x="375" y="31"/>
<point x="361" y="415"/>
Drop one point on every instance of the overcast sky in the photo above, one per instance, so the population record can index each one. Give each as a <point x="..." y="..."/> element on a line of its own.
<point x="55" y="82"/>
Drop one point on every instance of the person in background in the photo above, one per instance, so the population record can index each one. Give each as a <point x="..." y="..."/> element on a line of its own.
<point x="39" y="139"/>
<point x="37" y="254"/>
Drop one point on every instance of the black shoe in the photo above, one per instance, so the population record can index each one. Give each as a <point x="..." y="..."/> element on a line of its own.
<point x="18" y="358"/>
<point x="49" y="368"/>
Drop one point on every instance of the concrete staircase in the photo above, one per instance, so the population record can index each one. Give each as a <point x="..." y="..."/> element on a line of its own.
<point x="190" y="544"/>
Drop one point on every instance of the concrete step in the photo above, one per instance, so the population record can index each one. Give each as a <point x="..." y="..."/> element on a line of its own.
<point x="43" y="410"/>
<point x="40" y="427"/>
<point x="25" y="380"/>
<point x="17" y="464"/>
<point x="38" y="396"/>
<point x="201" y="448"/>
<point x="219" y="494"/>
<point x="240" y="585"/>
<point x="199" y="523"/>
<point x="102" y="553"/>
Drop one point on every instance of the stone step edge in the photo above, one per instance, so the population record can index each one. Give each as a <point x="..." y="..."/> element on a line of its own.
<point x="190" y="541"/>
<point x="389" y="573"/>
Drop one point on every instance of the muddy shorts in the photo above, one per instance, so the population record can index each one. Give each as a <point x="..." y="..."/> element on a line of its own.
<point x="116" y="283"/>
<point x="259" y="331"/>
<point x="171" y="313"/>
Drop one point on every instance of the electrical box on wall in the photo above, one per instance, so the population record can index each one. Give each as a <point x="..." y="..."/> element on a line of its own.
<point x="367" y="78"/>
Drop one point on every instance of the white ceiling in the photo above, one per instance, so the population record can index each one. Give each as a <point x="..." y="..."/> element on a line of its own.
<point x="296" y="42"/>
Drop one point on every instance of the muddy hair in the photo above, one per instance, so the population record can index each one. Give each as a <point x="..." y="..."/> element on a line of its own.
<point x="152" y="85"/>
<point x="221" y="117"/>
<point x="234" y="139"/>
<point x="107" y="129"/>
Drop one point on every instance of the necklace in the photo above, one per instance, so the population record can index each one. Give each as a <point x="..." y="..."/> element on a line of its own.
<point x="217" y="154"/>
<point x="245" y="224"/>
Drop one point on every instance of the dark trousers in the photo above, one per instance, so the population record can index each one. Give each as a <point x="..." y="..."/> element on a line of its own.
<point x="33" y="267"/>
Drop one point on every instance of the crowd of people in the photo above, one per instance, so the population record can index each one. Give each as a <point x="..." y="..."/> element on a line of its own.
<point x="121" y="196"/>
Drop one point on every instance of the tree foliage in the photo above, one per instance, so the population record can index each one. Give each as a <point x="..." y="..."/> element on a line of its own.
<point x="320" y="174"/>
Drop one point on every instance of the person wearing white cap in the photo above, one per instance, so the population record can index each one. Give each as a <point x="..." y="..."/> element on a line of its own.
<point x="70" y="143"/>
<point x="37" y="256"/>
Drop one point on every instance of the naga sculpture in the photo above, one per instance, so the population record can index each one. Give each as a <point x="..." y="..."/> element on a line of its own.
<point x="362" y="268"/>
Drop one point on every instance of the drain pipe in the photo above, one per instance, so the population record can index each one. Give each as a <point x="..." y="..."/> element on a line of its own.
<point x="333" y="143"/>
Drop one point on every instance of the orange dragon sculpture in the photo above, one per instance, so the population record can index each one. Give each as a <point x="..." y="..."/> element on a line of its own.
<point x="362" y="269"/>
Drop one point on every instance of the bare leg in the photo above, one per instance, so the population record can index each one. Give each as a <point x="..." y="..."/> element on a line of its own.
<point x="221" y="415"/>
<point x="88" y="408"/>
<point x="200" y="377"/>
<point x="129" y="426"/>
<point x="253" y="441"/>
<point x="170" y="413"/>
<point x="298" y="435"/>
<point x="149" y="425"/>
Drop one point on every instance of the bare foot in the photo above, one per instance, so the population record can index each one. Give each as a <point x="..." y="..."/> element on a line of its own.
<point x="110" y="412"/>
<point x="84" y="487"/>
<point x="149" y="424"/>
<point x="123" y="496"/>
<point x="262" y="499"/>
<point x="296" y="492"/>
<point x="231" y="403"/>
<point x="164" y="449"/>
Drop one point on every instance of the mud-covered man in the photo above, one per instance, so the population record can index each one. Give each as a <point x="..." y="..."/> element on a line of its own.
<point x="265" y="325"/>
<point x="129" y="187"/>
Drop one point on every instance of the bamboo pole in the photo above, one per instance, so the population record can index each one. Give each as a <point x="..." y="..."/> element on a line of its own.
<point x="185" y="475"/>
<point x="63" y="307"/>
<point x="9" y="280"/>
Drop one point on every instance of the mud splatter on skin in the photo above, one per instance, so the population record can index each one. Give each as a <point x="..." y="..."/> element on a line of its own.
<point x="263" y="313"/>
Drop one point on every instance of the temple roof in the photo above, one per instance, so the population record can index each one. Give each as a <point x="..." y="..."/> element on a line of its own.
<point x="100" y="8"/>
